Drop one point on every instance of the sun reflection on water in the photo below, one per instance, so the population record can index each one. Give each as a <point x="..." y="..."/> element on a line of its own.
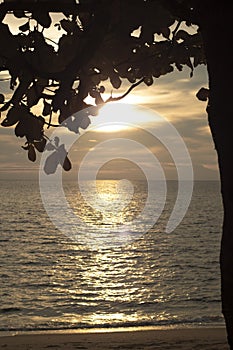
<point x="110" y="202"/>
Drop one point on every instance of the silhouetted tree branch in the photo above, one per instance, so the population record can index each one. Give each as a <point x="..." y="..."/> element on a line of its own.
<point x="98" y="47"/>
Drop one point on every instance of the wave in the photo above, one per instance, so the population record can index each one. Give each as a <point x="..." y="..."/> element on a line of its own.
<point x="197" y="322"/>
<point x="6" y="310"/>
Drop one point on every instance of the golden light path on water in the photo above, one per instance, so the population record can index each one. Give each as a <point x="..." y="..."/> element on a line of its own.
<point x="135" y="151"/>
<point x="116" y="204"/>
<point x="109" y="271"/>
<point x="112" y="219"/>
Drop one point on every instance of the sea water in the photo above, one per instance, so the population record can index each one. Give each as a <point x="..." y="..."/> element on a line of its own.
<point x="50" y="281"/>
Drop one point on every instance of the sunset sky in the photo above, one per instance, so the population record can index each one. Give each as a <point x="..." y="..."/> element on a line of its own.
<point x="172" y="97"/>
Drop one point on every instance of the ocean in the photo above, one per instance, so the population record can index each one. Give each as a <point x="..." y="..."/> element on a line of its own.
<point x="50" y="281"/>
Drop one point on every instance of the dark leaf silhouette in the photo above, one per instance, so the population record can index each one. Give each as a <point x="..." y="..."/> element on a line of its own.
<point x="51" y="163"/>
<point x="100" y="46"/>
<point x="63" y="159"/>
<point x="96" y="47"/>
<point x="47" y="109"/>
<point x="31" y="153"/>
<point x="40" y="145"/>
<point x="19" y="13"/>
<point x="115" y="81"/>
<point x="5" y="106"/>
<point x="80" y="121"/>
<point x="13" y="116"/>
<point x="42" y="18"/>
<point x="25" y="27"/>
<point x="2" y="98"/>
<point x="21" y="129"/>
<point x="8" y="42"/>
<point x="148" y="81"/>
<point x="66" y="164"/>
<point x="203" y="94"/>
<point x="68" y="26"/>
<point x="50" y="147"/>
<point x="34" y="93"/>
<point x="29" y="126"/>
<point x="26" y="147"/>
<point x="56" y="141"/>
<point x="59" y="156"/>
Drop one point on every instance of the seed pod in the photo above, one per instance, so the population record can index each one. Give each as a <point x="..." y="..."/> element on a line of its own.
<point x="66" y="164"/>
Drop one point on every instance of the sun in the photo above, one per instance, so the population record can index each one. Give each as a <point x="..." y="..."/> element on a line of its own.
<point x="117" y="117"/>
<point x="112" y="127"/>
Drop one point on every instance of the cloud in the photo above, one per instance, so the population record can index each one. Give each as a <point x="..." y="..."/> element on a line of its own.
<point x="172" y="96"/>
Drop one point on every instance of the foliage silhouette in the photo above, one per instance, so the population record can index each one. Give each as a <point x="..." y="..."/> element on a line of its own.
<point x="98" y="44"/>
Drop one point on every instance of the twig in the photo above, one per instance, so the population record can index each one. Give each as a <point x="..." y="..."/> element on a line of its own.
<point x="50" y="118"/>
<point x="53" y="125"/>
<point x="46" y="96"/>
<point x="112" y="99"/>
<point x="52" y="41"/>
<point x="175" y="30"/>
<point x="46" y="123"/>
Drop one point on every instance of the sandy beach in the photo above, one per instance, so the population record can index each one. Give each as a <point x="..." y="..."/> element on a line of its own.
<point x="182" y="339"/>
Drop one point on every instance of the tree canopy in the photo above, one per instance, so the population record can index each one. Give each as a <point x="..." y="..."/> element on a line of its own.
<point x="106" y="42"/>
<point x="99" y="42"/>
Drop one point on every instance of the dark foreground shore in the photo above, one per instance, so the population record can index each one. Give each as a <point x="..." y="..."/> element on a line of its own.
<point x="182" y="339"/>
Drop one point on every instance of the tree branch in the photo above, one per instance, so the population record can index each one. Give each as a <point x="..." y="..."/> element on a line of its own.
<point x="114" y="99"/>
<point x="175" y="30"/>
<point x="53" y="125"/>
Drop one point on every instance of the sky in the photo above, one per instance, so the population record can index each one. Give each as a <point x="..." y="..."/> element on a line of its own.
<point x="172" y="97"/>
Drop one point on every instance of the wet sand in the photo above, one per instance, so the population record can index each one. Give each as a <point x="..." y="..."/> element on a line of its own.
<point x="182" y="339"/>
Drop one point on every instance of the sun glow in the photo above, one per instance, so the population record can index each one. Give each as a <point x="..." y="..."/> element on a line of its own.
<point x="112" y="127"/>
<point x="117" y="117"/>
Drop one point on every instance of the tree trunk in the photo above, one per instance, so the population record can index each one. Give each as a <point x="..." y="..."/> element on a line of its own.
<point x="217" y="29"/>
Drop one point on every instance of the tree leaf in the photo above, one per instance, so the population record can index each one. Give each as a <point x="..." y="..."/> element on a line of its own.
<point x="115" y="80"/>
<point x="8" y="41"/>
<point x="51" y="163"/>
<point x="56" y="141"/>
<point x="21" y="129"/>
<point x="34" y="127"/>
<point x="203" y="94"/>
<point x="68" y="26"/>
<point x="35" y="91"/>
<point x="63" y="159"/>
<point x="19" y="13"/>
<point x="101" y="89"/>
<point x="5" y="106"/>
<point x="26" y="148"/>
<point x="50" y="147"/>
<point x="84" y="122"/>
<point x="66" y="164"/>
<point x="12" y="117"/>
<point x="42" y="18"/>
<point x="40" y="145"/>
<point x="47" y="109"/>
<point x="166" y="32"/>
<point x="148" y="81"/>
<point x="31" y="153"/>
<point x="2" y="98"/>
<point x="182" y="35"/>
<point x="24" y="27"/>
<point x="32" y="96"/>
<point x="6" y="122"/>
<point x="80" y="121"/>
